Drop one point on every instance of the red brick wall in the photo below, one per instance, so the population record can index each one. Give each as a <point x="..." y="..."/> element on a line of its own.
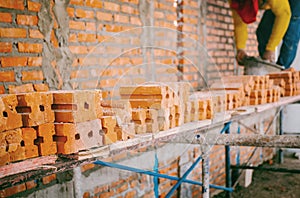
<point x="39" y="44"/>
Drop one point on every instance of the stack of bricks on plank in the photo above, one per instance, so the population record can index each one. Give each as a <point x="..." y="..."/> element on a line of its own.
<point x="66" y="122"/>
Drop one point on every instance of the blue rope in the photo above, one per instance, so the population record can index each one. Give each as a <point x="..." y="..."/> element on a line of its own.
<point x="122" y="167"/>
<point x="155" y="178"/>
<point x="183" y="177"/>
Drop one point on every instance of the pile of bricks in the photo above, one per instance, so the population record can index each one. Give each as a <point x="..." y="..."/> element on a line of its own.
<point x="156" y="107"/>
<point x="247" y="90"/>
<point x="66" y="122"/>
<point x="289" y="81"/>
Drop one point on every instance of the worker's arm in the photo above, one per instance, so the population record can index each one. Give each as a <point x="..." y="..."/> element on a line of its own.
<point x="282" y="12"/>
<point x="240" y="31"/>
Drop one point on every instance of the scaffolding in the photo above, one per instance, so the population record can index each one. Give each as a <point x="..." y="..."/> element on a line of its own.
<point x="195" y="130"/>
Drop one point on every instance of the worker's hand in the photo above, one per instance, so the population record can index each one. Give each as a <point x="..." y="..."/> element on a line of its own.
<point x="241" y="55"/>
<point x="269" y="56"/>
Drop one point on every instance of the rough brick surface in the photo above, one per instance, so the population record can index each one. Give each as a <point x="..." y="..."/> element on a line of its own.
<point x="35" y="108"/>
<point x="9" y="118"/>
<point x="45" y="142"/>
<point x="77" y="106"/>
<point x="29" y="135"/>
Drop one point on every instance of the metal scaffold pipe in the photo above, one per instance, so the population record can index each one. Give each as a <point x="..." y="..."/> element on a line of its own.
<point x="283" y="141"/>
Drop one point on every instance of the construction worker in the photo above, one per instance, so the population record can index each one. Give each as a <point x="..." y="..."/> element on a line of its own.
<point x="280" y="21"/>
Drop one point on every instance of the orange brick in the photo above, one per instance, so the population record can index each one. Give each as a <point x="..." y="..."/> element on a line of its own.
<point x="90" y="26"/>
<point x="79" y="49"/>
<point x="108" y="125"/>
<point x="84" y="13"/>
<point x="25" y="88"/>
<point x="112" y="6"/>
<point x="5" y="46"/>
<point x="121" y="18"/>
<point x="12" y="190"/>
<point x="94" y="3"/>
<point x="35" y="34"/>
<point x="48" y="179"/>
<point x="30" y="47"/>
<point x="70" y="12"/>
<point x="32" y="75"/>
<point x="30" y="184"/>
<point x="34" y="6"/>
<point x="27" y="20"/>
<point x="41" y="87"/>
<point x="29" y="135"/>
<point x="13" y="32"/>
<point x="5" y="17"/>
<point x="86" y="37"/>
<point x="87" y="167"/>
<point x="9" y="118"/>
<point x="77" y="106"/>
<point x="14" y="140"/>
<point x="45" y="141"/>
<point x="7" y="76"/>
<point x="16" y="4"/>
<point x="35" y="61"/>
<point x="76" y="25"/>
<point x="86" y="195"/>
<point x="2" y="89"/>
<point x="35" y="108"/>
<point x="104" y="16"/>
<point x="72" y="38"/>
<point x="65" y="138"/>
<point x="76" y="2"/>
<point x="13" y="61"/>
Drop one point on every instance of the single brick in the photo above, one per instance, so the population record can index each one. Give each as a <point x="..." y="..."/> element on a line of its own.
<point x="77" y="106"/>
<point x="16" y="4"/>
<point x="25" y="88"/>
<point x="9" y="118"/>
<point x="65" y="138"/>
<point x="14" y="140"/>
<point x="35" y="61"/>
<point x="30" y="47"/>
<point x="32" y="75"/>
<point x="7" y="76"/>
<point x="48" y="179"/>
<point x="108" y="125"/>
<point x="5" y="17"/>
<point x="89" y="134"/>
<point x="34" y="6"/>
<point x="5" y="46"/>
<point x="84" y="13"/>
<point x="31" y="184"/>
<point x="13" y="61"/>
<point x="41" y="87"/>
<point x="13" y="32"/>
<point x="35" y="34"/>
<point x="29" y="135"/>
<point x="45" y="142"/>
<point x="12" y="190"/>
<point x="94" y="3"/>
<point x="27" y="20"/>
<point x="2" y="89"/>
<point x="35" y="108"/>
<point x="139" y="116"/>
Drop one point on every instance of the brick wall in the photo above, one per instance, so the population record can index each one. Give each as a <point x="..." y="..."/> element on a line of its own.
<point x="80" y="44"/>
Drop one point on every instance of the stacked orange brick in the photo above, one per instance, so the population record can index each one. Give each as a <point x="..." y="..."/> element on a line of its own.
<point x="77" y="120"/>
<point x="288" y="80"/>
